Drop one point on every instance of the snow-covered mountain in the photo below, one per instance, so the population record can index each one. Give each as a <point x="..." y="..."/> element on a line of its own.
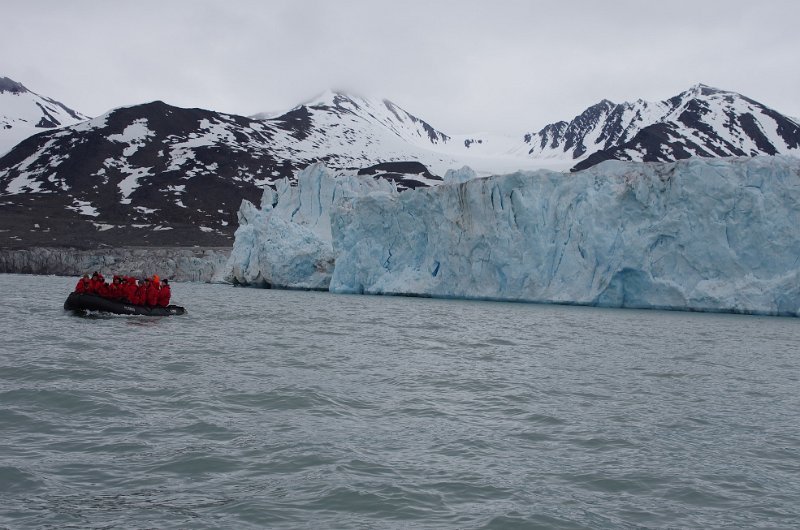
<point x="349" y="131"/>
<point x="702" y="121"/>
<point x="150" y="174"/>
<point x="348" y="114"/>
<point x="24" y="113"/>
<point x="155" y="174"/>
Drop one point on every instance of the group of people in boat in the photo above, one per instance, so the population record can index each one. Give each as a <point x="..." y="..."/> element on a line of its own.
<point x="151" y="292"/>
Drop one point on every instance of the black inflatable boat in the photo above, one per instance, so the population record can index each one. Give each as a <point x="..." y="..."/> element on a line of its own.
<point x="81" y="302"/>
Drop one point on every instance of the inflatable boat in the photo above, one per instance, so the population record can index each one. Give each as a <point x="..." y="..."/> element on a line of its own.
<point x="81" y="302"/>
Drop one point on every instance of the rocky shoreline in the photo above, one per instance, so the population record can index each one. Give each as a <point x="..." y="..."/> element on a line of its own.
<point x="191" y="264"/>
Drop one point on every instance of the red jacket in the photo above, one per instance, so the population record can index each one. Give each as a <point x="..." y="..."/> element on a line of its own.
<point x="130" y="292"/>
<point x="152" y="295"/>
<point x="139" y="296"/>
<point x="103" y="290"/>
<point x="163" y="295"/>
<point x="115" y="291"/>
<point x="94" y="285"/>
<point x="84" y="284"/>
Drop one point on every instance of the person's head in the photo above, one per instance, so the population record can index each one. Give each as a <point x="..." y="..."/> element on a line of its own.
<point x="85" y="275"/>
<point x="116" y="279"/>
<point x="95" y="274"/>
<point x="165" y="282"/>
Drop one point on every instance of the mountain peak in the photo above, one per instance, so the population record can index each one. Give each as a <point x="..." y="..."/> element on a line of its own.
<point x="24" y="113"/>
<point x="9" y="85"/>
<point x="704" y="90"/>
<point x="354" y="112"/>
<point x="332" y="98"/>
<point x="700" y="121"/>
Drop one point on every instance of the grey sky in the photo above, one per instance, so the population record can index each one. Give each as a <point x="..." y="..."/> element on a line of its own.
<point x="464" y="66"/>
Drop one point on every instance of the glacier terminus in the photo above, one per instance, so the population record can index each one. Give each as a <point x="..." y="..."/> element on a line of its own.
<point x="698" y="234"/>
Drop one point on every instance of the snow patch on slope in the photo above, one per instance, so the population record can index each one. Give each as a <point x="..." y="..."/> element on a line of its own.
<point x="135" y="135"/>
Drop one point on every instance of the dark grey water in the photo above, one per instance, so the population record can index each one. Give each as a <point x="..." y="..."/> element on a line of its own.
<point x="288" y="409"/>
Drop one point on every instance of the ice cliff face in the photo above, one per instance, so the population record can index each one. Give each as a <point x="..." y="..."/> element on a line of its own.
<point x="706" y="235"/>
<point x="287" y="242"/>
<point x="701" y="234"/>
<point x="180" y="264"/>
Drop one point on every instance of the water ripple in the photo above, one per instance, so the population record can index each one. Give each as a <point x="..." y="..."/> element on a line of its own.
<point x="305" y="410"/>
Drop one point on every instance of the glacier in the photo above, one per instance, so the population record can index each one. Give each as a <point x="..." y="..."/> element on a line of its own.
<point x="286" y="242"/>
<point x="193" y="264"/>
<point x="699" y="234"/>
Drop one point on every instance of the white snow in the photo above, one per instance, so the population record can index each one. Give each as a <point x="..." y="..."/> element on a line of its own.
<point x="209" y="133"/>
<point x="640" y="114"/>
<point x="361" y="132"/>
<point x="83" y="208"/>
<point x="100" y="122"/>
<point x="23" y="183"/>
<point x="130" y="183"/>
<point x="135" y="135"/>
<point x="179" y="155"/>
<point x="26" y="181"/>
<point x="21" y="113"/>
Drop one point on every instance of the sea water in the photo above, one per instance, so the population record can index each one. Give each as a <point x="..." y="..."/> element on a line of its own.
<point x="287" y="409"/>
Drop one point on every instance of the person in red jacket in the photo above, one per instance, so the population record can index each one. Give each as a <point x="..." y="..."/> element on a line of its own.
<point x="140" y="295"/>
<point x="94" y="283"/>
<point x="103" y="288"/>
<point x="110" y="289"/>
<point x="115" y="289"/>
<point x="129" y="288"/>
<point x="135" y="284"/>
<point x="84" y="285"/>
<point x="152" y="293"/>
<point x="164" y="293"/>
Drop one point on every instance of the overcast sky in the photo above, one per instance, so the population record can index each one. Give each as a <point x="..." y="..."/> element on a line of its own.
<point x="464" y="66"/>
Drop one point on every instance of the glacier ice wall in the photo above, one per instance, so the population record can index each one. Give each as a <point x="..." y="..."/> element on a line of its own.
<point x="700" y="234"/>
<point x="180" y="263"/>
<point x="287" y="241"/>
